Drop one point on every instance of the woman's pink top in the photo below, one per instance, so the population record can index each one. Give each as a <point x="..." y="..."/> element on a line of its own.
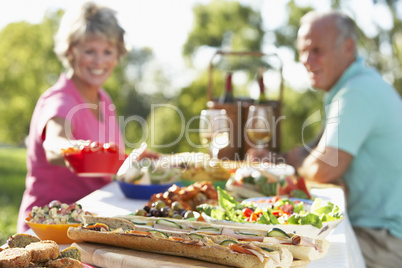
<point x="46" y="182"/>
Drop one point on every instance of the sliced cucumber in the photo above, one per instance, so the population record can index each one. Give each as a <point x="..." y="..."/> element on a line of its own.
<point x="227" y="242"/>
<point x="250" y="234"/>
<point x="139" y="223"/>
<point x="157" y="233"/>
<point x="168" y="223"/>
<point x="276" y="232"/>
<point x="267" y="249"/>
<point x="208" y="230"/>
<point x="195" y="236"/>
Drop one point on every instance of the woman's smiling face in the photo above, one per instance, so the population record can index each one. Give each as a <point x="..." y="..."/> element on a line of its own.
<point x="93" y="61"/>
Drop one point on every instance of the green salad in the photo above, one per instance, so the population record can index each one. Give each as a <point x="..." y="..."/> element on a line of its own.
<point x="278" y="211"/>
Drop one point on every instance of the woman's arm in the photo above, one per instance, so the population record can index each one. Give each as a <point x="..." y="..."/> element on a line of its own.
<point x="56" y="138"/>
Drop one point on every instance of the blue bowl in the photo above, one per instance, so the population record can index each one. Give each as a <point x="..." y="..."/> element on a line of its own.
<point x="137" y="191"/>
<point x="221" y="184"/>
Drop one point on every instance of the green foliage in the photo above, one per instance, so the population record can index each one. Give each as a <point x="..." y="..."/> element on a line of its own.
<point x="297" y="108"/>
<point x="224" y="24"/>
<point x="27" y="68"/>
<point x="12" y="186"/>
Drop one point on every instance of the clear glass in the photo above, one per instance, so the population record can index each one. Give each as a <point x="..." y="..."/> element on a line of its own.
<point x="259" y="128"/>
<point x="214" y="131"/>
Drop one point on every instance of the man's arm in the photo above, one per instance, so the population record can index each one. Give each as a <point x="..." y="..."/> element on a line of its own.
<point x="298" y="154"/>
<point x="325" y="166"/>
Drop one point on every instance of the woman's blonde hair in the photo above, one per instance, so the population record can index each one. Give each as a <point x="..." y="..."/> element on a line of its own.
<point x="91" y="20"/>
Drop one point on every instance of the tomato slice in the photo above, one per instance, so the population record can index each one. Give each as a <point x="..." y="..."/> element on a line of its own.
<point x="96" y="146"/>
<point x="240" y="249"/>
<point x="301" y="184"/>
<point x="247" y="212"/>
<point x="176" y="238"/>
<point x="110" y="147"/>
<point x="139" y="233"/>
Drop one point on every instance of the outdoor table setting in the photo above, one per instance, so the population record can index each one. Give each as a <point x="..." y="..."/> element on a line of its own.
<point x="137" y="185"/>
<point x="110" y="201"/>
<point x="343" y="252"/>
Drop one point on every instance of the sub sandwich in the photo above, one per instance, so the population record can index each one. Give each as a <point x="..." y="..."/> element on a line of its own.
<point x="199" y="240"/>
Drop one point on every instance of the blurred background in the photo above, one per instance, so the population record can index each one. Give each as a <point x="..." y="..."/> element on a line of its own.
<point x="171" y="44"/>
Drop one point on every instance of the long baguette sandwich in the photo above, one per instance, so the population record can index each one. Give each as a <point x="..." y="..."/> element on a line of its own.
<point x="203" y="244"/>
<point x="302" y="247"/>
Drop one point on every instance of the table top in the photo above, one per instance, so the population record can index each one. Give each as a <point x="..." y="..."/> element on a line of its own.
<point x="343" y="252"/>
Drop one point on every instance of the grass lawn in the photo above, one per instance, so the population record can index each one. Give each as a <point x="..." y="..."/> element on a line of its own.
<point x="12" y="185"/>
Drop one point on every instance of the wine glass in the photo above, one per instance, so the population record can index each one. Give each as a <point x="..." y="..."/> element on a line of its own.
<point x="260" y="128"/>
<point x="214" y="131"/>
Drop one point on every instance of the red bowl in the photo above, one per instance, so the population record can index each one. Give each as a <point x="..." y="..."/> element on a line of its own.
<point x="95" y="164"/>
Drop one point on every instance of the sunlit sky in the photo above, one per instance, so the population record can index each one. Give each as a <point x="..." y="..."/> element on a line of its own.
<point x="164" y="25"/>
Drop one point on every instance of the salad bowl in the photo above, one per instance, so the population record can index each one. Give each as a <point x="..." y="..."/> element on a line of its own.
<point x="316" y="219"/>
<point x="306" y="230"/>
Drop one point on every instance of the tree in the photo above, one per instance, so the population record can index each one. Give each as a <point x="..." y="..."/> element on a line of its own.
<point x="218" y="24"/>
<point x="226" y="25"/>
<point x="28" y="67"/>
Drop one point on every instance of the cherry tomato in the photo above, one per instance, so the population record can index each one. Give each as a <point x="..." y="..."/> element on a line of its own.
<point x="275" y="199"/>
<point x="85" y="148"/>
<point x="110" y="147"/>
<point x="253" y="217"/>
<point x="247" y="212"/>
<point x="96" y="146"/>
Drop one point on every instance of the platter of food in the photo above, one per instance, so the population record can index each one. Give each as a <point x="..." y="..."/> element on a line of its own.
<point x="52" y="221"/>
<point x="267" y="180"/>
<point x="25" y="250"/>
<point x="182" y="168"/>
<point x="233" y="246"/>
<point x="189" y="197"/>
<point x="311" y="218"/>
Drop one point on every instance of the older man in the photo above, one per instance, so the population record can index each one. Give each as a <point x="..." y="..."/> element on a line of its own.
<point x="362" y="138"/>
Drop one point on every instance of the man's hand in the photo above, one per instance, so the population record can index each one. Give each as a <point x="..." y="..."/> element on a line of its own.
<point x="296" y="156"/>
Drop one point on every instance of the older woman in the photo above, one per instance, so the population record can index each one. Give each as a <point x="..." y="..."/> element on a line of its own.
<point x="89" y="44"/>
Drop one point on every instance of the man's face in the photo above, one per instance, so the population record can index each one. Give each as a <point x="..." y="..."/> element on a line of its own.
<point x="324" y="59"/>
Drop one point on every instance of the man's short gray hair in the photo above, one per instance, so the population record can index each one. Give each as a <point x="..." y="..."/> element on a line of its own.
<point x="345" y="25"/>
<point x="91" y="20"/>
